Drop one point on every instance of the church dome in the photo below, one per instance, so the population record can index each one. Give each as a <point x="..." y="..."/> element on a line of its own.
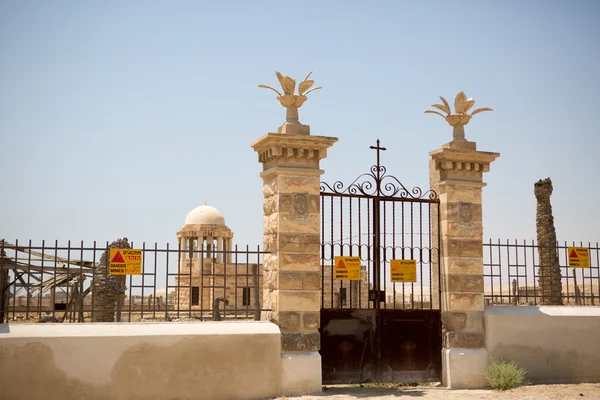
<point x="205" y="215"/>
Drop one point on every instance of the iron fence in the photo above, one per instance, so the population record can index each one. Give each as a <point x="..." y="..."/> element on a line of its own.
<point x="404" y="232"/>
<point x="512" y="274"/>
<point x="70" y="282"/>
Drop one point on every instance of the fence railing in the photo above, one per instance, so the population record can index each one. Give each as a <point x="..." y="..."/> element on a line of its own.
<point x="53" y="282"/>
<point x="69" y="282"/>
<point x="512" y="274"/>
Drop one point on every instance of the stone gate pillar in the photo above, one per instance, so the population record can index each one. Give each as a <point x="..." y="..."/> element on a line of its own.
<point x="456" y="174"/>
<point x="292" y="272"/>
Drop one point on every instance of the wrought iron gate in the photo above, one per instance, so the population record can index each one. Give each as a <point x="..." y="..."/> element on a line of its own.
<point x="374" y="329"/>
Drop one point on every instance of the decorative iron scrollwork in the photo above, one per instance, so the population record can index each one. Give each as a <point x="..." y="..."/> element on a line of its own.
<point x="377" y="183"/>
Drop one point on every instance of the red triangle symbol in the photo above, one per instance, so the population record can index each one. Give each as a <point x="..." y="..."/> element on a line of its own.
<point x="118" y="258"/>
<point x="341" y="264"/>
<point x="573" y="254"/>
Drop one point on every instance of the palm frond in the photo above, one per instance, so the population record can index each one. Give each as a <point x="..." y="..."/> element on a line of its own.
<point x="288" y="85"/>
<point x="435" y="112"/>
<point x="445" y="103"/>
<point x="442" y="108"/>
<point x="304" y="86"/>
<point x="280" y="78"/>
<point x="481" y="110"/>
<point x="269" y="87"/>
<point x="459" y="102"/>
<point x="313" y="89"/>
<point x="468" y="104"/>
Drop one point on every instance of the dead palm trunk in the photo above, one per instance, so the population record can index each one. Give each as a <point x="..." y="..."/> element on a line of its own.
<point x="106" y="288"/>
<point x="549" y="276"/>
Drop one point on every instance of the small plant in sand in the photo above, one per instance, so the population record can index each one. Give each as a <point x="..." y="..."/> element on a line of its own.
<point x="504" y="375"/>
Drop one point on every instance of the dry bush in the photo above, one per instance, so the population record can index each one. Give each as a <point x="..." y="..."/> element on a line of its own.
<point x="503" y="375"/>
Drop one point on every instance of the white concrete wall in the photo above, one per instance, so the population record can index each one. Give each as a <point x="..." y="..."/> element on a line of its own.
<point x="556" y="344"/>
<point x="208" y="360"/>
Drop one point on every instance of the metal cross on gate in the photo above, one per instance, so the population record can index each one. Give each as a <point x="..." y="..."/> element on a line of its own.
<point x="378" y="148"/>
<point x="378" y="180"/>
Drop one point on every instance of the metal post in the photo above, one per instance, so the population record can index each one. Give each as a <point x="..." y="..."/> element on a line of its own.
<point x="254" y="269"/>
<point x="377" y="261"/>
<point x="377" y="287"/>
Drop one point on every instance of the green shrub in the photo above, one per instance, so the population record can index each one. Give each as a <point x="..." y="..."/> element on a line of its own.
<point x="503" y="375"/>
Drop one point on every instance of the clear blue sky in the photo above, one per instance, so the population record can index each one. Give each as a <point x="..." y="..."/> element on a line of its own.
<point x="119" y="117"/>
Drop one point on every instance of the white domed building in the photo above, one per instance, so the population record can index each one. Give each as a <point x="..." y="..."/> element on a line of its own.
<point x="208" y="269"/>
<point x="205" y="226"/>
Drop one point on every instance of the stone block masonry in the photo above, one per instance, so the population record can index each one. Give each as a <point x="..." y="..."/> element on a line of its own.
<point x="292" y="271"/>
<point x="209" y="280"/>
<point x="456" y="174"/>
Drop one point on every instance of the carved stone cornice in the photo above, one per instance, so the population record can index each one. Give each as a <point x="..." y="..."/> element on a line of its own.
<point x="293" y="151"/>
<point x="463" y="160"/>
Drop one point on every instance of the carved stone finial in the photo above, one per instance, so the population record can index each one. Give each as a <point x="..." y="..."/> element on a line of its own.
<point x="292" y="102"/>
<point x="460" y="117"/>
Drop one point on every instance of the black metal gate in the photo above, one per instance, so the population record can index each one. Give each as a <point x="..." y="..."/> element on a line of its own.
<point x="376" y="328"/>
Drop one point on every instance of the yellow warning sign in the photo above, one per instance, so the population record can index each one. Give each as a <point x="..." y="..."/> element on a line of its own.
<point x="125" y="262"/>
<point x="579" y="257"/>
<point x="404" y="270"/>
<point x="347" y="268"/>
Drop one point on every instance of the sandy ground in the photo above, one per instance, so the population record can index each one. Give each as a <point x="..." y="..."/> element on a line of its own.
<point x="551" y="392"/>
